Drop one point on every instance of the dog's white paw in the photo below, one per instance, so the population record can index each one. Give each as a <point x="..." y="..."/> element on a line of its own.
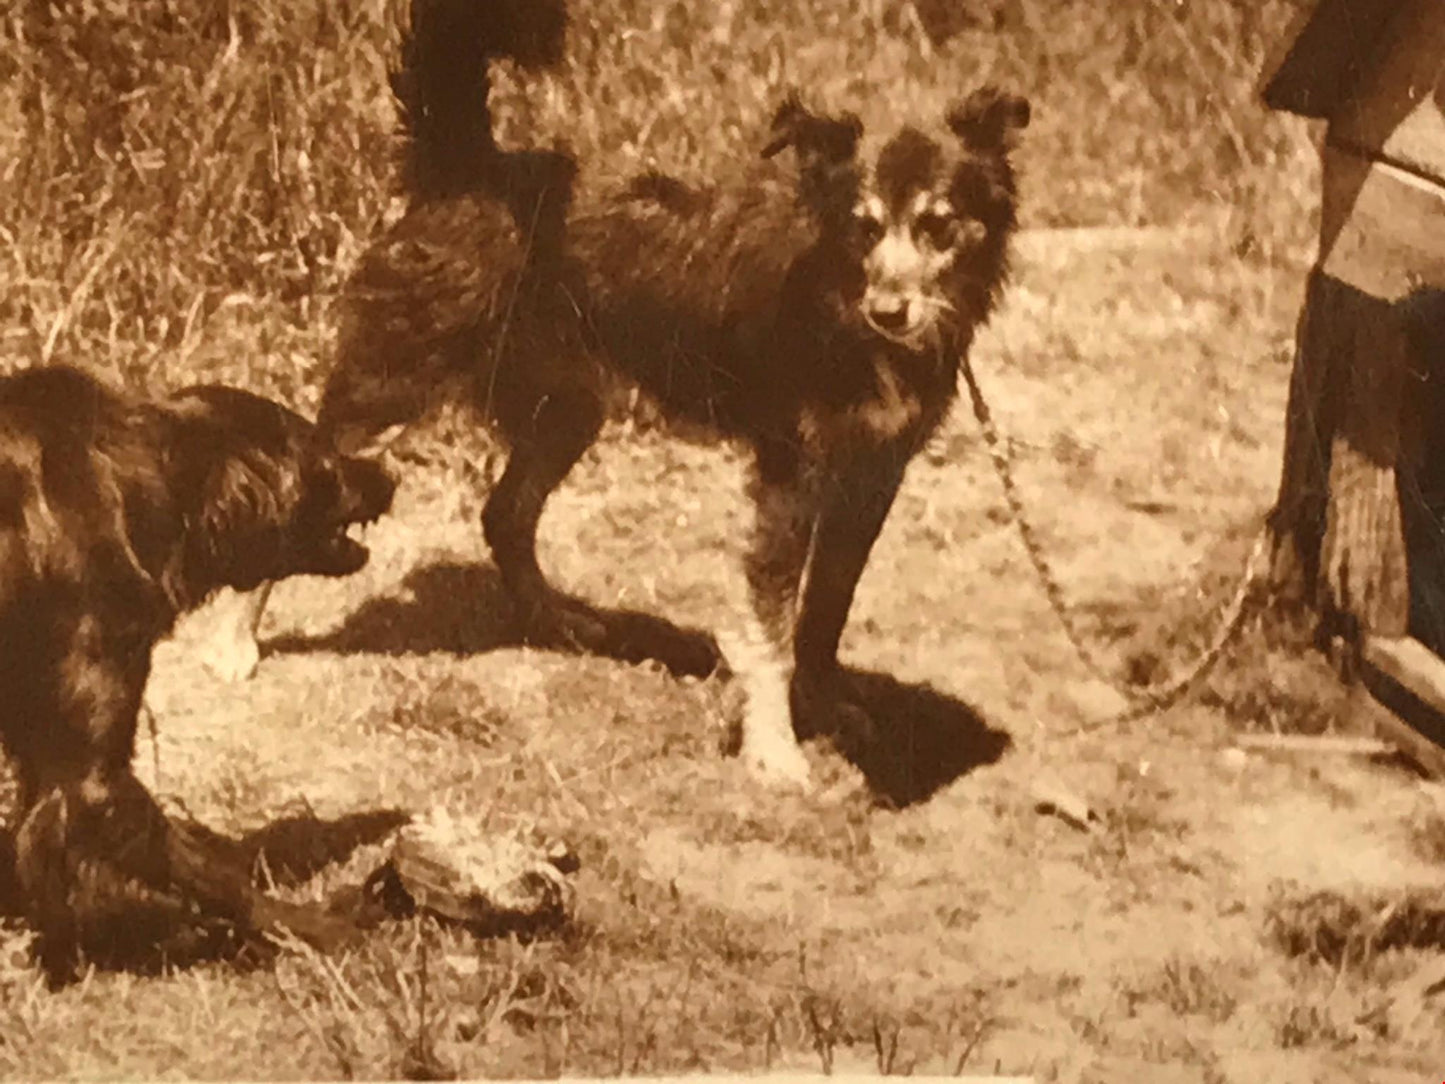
<point x="776" y="761"/>
<point x="224" y="638"/>
<point x="769" y="744"/>
<point x="231" y="658"/>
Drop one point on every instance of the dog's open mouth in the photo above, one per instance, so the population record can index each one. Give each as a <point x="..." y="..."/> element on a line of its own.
<point x="911" y="336"/>
<point x="345" y="548"/>
<point x="365" y="492"/>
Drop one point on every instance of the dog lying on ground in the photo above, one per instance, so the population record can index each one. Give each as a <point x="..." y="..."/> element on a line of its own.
<point x="816" y="316"/>
<point x="117" y="514"/>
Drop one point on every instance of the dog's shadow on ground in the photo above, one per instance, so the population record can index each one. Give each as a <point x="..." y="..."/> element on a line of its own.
<point x="919" y="739"/>
<point x="454" y="608"/>
<point x="463" y="609"/>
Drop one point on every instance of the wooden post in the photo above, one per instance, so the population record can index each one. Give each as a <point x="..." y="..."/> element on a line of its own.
<point x="1298" y="520"/>
<point x="1362" y="466"/>
<point x="1372" y="67"/>
<point x="1339" y="538"/>
<point x="1337" y="522"/>
<point x="1363" y="570"/>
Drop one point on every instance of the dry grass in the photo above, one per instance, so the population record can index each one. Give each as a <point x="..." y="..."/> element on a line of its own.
<point x="1341" y="929"/>
<point x="180" y="198"/>
<point x="185" y="188"/>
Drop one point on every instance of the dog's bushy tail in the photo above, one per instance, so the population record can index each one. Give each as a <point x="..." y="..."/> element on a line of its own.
<point x="442" y="84"/>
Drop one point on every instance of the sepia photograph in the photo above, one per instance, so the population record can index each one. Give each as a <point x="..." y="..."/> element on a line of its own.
<point x="735" y="540"/>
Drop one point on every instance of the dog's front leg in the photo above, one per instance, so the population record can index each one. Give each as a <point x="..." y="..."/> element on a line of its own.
<point x="83" y="839"/>
<point x="762" y="657"/>
<point x="209" y="868"/>
<point x="854" y="506"/>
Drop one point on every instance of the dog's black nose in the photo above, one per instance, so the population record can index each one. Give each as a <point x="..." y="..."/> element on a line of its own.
<point x="375" y="486"/>
<point x="384" y="489"/>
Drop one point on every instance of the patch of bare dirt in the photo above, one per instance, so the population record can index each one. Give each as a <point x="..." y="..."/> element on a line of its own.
<point x="922" y="904"/>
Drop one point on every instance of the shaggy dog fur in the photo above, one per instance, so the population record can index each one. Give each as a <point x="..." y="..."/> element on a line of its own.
<point x="814" y="314"/>
<point x="117" y="514"/>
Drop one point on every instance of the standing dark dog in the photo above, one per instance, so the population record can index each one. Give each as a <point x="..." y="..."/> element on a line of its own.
<point x="117" y="514"/>
<point x="817" y="316"/>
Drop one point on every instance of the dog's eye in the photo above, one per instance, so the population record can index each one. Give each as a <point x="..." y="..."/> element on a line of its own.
<point x="940" y="230"/>
<point x="868" y="227"/>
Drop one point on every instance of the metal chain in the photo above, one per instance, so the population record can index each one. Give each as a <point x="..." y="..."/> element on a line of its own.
<point x="1148" y="699"/>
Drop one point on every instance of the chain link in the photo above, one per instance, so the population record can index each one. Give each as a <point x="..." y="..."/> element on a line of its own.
<point x="1145" y="699"/>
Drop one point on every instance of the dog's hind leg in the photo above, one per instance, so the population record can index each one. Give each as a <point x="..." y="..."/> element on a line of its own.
<point x="556" y="430"/>
<point x="547" y="436"/>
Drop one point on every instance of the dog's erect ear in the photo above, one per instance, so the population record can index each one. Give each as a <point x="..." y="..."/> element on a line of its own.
<point x="989" y="119"/>
<point x="817" y="140"/>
